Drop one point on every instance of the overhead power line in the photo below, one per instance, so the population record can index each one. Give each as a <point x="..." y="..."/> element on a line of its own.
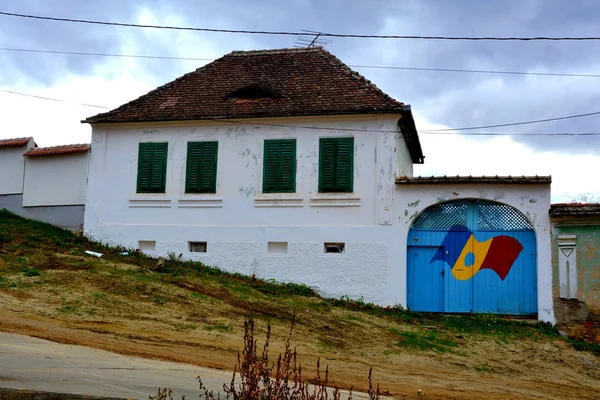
<point x="77" y="53"/>
<point x="478" y="71"/>
<point x="426" y="132"/>
<point x="537" y="121"/>
<point x="51" y="99"/>
<point x="322" y="34"/>
<point x="422" y="132"/>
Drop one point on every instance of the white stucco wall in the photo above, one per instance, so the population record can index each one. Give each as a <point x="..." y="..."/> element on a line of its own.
<point x="533" y="200"/>
<point x="238" y="221"/>
<point x="12" y="167"/>
<point x="55" y="180"/>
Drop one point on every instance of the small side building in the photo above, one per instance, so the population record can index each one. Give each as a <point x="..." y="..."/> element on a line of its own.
<point x="575" y="260"/>
<point x="12" y="165"/>
<point x="55" y="183"/>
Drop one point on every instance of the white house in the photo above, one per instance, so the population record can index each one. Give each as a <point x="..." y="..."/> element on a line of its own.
<point x="55" y="183"/>
<point x="12" y="167"/>
<point x="47" y="184"/>
<point x="286" y="164"/>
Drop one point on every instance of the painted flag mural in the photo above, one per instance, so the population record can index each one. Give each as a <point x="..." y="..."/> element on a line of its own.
<point x="467" y="256"/>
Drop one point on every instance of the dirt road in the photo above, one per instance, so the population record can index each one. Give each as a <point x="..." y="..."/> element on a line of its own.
<point x="36" y="364"/>
<point x="506" y="372"/>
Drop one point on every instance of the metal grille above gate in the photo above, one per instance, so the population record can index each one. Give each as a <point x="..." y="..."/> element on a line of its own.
<point x="500" y="217"/>
<point x="443" y="216"/>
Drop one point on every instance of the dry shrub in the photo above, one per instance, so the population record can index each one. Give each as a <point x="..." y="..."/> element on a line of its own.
<point x="260" y="380"/>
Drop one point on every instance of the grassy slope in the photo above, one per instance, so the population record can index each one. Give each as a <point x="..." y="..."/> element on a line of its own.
<point x="45" y="275"/>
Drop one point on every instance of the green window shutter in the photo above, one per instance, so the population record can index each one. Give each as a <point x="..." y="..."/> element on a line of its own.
<point x="271" y="166"/>
<point x="336" y="164"/>
<point x="279" y="168"/>
<point x="152" y="167"/>
<point x="326" y="165"/>
<point x="201" y="171"/>
<point x="144" y="161"/>
<point x="287" y="165"/>
<point x="344" y="173"/>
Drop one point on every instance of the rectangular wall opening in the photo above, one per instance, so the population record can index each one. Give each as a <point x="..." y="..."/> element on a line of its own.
<point x="335" y="247"/>
<point x="278" y="247"/>
<point x="197" y="247"/>
<point x="148" y="245"/>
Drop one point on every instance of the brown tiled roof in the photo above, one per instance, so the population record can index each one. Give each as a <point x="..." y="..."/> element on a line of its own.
<point x="50" y="151"/>
<point x="265" y="83"/>
<point x="427" y="180"/>
<point x="575" y="209"/>
<point x="14" y="142"/>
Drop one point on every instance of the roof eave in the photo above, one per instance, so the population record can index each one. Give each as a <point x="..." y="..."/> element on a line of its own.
<point x="411" y="136"/>
<point x="454" y="180"/>
<point x="92" y="120"/>
<point x="577" y="210"/>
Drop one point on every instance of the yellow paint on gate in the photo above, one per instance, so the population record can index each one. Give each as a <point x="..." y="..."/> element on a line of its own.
<point x="479" y="249"/>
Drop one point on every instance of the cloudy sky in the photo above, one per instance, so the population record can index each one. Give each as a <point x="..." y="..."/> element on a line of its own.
<point x="439" y="100"/>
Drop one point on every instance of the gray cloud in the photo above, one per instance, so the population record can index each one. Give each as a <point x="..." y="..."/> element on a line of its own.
<point x="452" y="99"/>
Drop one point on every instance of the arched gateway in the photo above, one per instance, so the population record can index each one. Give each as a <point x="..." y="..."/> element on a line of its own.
<point x="472" y="256"/>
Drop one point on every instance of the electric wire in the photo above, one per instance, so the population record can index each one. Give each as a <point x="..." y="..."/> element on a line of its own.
<point x="391" y="67"/>
<point x="323" y="34"/>
<point x="52" y="99"/>
<point x="537" y="121"/>
<point x="449" y="131"/>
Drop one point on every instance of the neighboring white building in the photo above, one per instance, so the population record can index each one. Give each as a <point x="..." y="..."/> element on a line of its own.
<point x="283" y="164"/>
<point x="12" y="165"/>
<point x="12" y="172"/>
<point x="46" y="184"/>
<point x="55" y="183"/>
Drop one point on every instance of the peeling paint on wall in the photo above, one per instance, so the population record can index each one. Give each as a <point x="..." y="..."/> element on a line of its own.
<point x="247" y="191"/>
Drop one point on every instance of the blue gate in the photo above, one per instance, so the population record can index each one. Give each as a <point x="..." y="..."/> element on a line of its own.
<point x="472" y="256"/>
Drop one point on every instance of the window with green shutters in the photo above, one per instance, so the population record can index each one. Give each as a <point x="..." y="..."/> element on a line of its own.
<point x="279" y="168"/>
<point x="336" y="164"/>
<point x="152" y="167"/>
<point x="201" y="175"/>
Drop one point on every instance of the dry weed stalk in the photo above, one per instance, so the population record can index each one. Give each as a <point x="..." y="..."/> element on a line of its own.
<point x="258" y="382"/>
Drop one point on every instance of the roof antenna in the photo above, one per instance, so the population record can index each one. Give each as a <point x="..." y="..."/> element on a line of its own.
<point x="311" y="39"/>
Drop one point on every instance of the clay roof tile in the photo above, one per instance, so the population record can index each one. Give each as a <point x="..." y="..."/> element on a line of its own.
<point x="49" y="151"/>
<point x="14" y="142"/>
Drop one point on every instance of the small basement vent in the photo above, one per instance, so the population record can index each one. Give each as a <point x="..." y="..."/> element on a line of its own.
<point x="197" y="247"/>
<point x="335" y="247"/>
<point x="148" y="245"/>
<point x="277" y="247"/>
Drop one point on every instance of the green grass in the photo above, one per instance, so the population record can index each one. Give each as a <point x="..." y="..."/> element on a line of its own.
<point x="471" y="324"/>
<point x="30" y="272"/>
<point x="70" y="306"/>
<point x="160" y="300"/>
<point x="426" y="341"/>
<point x="222" y="327"/>
<point x="183" y="327"/>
